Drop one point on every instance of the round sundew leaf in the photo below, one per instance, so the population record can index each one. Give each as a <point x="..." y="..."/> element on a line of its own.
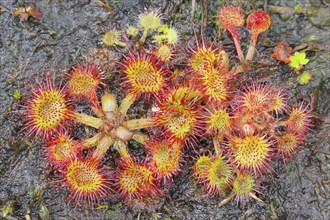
<point x="258" y="22"/>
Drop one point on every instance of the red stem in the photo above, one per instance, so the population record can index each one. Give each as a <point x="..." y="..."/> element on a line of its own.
<point x="233" y="32"/>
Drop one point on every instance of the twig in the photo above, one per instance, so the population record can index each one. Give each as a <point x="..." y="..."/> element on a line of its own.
<point x="204" y="8"/>
<point x="192" y="13"/>
<point x="40" y="44"/>
<point x="3" y="9"/>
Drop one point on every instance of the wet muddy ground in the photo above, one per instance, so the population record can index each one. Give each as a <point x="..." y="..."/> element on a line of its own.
<point x="69" y="29"/>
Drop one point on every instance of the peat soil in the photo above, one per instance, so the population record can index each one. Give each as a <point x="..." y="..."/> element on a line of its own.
<point x="70" y="29"/>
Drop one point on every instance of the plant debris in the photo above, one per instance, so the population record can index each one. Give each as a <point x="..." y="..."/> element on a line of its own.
<point x="30" y="9"/>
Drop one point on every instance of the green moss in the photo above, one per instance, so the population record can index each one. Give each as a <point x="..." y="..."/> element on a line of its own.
<point x="8" y="208"/>
<point x="44" y="213"/>
<point x="17" y="95"/>
<point x="4" y="95"/>
<point x="37" y="194"/>
<point x="297" y="8"/>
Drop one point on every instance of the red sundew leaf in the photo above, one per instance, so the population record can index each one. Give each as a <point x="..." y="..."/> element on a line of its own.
<point x="33" y="10"/>
<point x="283" y="52"/>
<point x="29" y="10"/>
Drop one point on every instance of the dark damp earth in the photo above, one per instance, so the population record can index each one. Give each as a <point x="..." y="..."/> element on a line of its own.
<point x="70" y="29"/>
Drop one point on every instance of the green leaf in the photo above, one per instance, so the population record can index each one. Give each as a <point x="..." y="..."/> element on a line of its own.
<point x="297" y="8"/>
<point x="304" y="78"/>
<point x="298" y="59"/>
